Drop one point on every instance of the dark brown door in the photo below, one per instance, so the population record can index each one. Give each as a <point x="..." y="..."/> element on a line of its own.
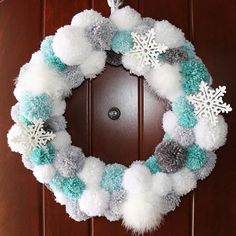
<point x="26" y="207"/>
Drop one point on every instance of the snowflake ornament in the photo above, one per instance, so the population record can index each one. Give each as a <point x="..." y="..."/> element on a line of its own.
<point x="146" y="49"/>
<point x="209" y="103"/>
<point x="33" y="136"/>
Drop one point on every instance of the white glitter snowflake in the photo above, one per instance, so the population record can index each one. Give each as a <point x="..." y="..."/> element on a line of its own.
<point x="146" y="49"/>
<point x="33" y="136"/>
<point x="209" y="103"/>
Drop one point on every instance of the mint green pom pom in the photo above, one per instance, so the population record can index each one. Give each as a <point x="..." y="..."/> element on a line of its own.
<point x="189" y="48"/>
<point x="196" y="157"/>
<point x="193" y="72"/>
<point x="49" y="56"/>
<point x="36" y="107"/>
<point x="57" y="182"/>
<point x="112" y="177"/>
<point x="181" y="104"/>
<point x="152" y="165"/>
<point x="187" y="119"/>
<point x="73" y="187"/>
<point x="122" y="42"/>
<point x="41" y="156"/>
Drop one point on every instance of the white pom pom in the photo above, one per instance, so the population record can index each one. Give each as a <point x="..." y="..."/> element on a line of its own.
<point x="27" y="163"/>
<point x="86" y="18"/>
<point x="92" y="171"/>
<point x="15" y="112"/>
<point x="125" y="18"/>
<point x="94" y="64"/>
<point x="94" y="201"/>
<point x="165" y="81"/>
<point x="142" y="212"/>
<point x="60" y="197"/>
<point x="71" y="45"/>
<point x="162" y="183"/>
<point x="211" y="137"/>
<point x="137" y="178"/>
<point x="184" y="181"/>
<point x="37" y="77"/>
<point x="59" y="107"/>
<point x="44" y="173"/>
<point x="62" y="140"/>
<point x="168" y="34"/>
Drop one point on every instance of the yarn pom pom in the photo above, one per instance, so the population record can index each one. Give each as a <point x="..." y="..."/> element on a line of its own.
<point x="170" y="156"/>
<point x="94" y="202"/>
<point x="126" y="18"/>
<point x="44" y="173"/>
<point x="60" y="197"/>
<point x="94" y="64"/>
<point x="113" y="58"/>
<point x="71" y="45"/>
<point x="112" y="177"/>
<point x="196" y="157"/>
<point x="59" y="107"/>
<point x="56" y="123"/>
<point x="162" y="184"/>
<point x="73" y="187"/>
<point x="175" y="55"/>
<point x="73" y="76"/>
<point x="189" y="48"/>
<point x="152" y="165"/>
<point x="193" y="72"/>
<point x="62" y="140"/>
<point x="56" y="182"/>
<point x="73" y="209"/>
<point x="35" y="107"/>
<point x="211" y="137"/>
<point x="49" y="55"/>
<point x="146" y="24"/>
<point x="122" y="42"/>
<point x="170" y="202"/>
<point x="168" y="34"/>
<point x="15" y="112"/>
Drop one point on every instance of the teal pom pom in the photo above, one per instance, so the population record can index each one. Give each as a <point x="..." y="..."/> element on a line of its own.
<point x="152" y="164"/>
<point x="49" y="56"/>
<point x="112" y="177"/>
<point x="73" y="187"/>
<point x="196" y="157"/>
<point x="24" y="120"/>
<point x="41" y="156"/>
<point x="35" y="107"/>
<point x="181" y="104"/>
<point x="193" y="72"/>
<point x="187" y="119"/>
<point x="57" y="182"/>
<point x="122" y="42"/>
<point x="189" y="48"/>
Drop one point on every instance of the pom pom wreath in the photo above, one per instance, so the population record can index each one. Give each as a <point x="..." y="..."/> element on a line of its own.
<point x="170" y="156"/>
<point x="126" y="18"/>
<point x="94" y="202"/>
<point x="49" y="55"/>
<point x="100" y="34"/>
<point x="35" y="107"/>
<point x="59" y="107"/>
<point x="141" y="212"/>
<point x="15" y="112"/>
<point x="62" y="140"/>
<point x="56" y="123"/>
<point x="86" y="18"/>
<point x="175" y="55"/>
<point x="44" y="173"/>
<point x="211" y="137"/>
<point x="113" y="58"/>
<point x="42" y="156"/>
<point x="168" y="34"/>
<point x="162" y="184"/>
<point x="73" y="209"/>
<point x="68" y="165"/>
<point x="208" y="167"/>
<point x="165" y="81"/>
<point x="184" y="181"/>
<point x="112" y="177"/>
<point x="122" y="42"/>
<point x="113" y="212"/>
<point x="92" y="171"/>
<point x="196" y="157"/>
<point x="137" y="178"/>
<point x="74" y="76"/>
<point x="193" y="72"/>
<point x="152" y="164"/>
<point x="94" y="64"/>
<point x="71" y="45"/>
<point x="170" y="202"/>
<point x="73" y="187"/>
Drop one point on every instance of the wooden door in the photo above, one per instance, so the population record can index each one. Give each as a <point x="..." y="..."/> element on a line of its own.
<point x="26" y="207"/>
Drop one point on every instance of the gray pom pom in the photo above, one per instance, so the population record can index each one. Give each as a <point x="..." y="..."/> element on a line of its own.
<point x="113" y="213"/>
<point x="170" y="202"/>
<point x="175" y="55"/>
<point x="56" y="123"/>
<point x="149" y="21"/>
<point x="101" y="33"/>
<point x="74" y="76"/>
<point x="208" y="167"/>
<point x="70" y="161"/>
<point x="183" y="136"/>
<point x="113" y="58"/>
<point x="73" y="209"/>
<point x="171" y="156"/>
<point x="146" y="24"/>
